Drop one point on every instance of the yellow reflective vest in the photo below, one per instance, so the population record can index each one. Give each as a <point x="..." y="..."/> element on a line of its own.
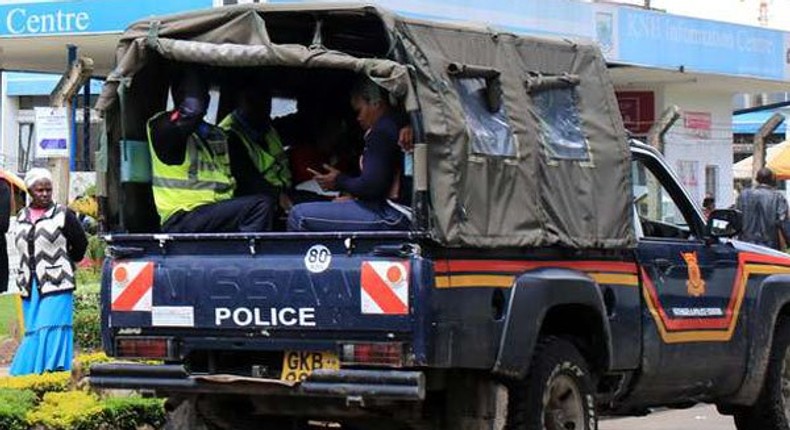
<point x="271" y="162"/>
<point x="202" y="178"/>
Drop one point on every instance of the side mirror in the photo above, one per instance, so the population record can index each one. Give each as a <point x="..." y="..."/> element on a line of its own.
<point x="724" y="223"/>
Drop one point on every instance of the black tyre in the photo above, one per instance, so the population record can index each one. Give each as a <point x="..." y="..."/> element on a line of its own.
<point x="557" y="393"/>
<point x="772" y="409"/>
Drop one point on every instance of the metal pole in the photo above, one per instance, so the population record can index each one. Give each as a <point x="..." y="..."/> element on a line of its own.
<point x="86" y="126"/>
<point x="655" y="137"/>
<point x="768" y="127"/>
<point x="73" y="114"/>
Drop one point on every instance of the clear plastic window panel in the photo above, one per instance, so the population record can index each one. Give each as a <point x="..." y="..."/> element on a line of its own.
<point x="560" y="124"/>
<point x="653" y="202"/>
<point x="491" y="133"/>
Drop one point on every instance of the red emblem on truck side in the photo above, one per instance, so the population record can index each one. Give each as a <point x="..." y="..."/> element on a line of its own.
<point x="695" y="285"/>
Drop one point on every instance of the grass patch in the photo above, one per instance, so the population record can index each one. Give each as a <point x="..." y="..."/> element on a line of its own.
<point x="8" y="317"/>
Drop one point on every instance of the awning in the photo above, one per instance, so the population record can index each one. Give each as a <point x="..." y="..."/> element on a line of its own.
<point x="750" y="122"/>
<point x="777" y="159"/>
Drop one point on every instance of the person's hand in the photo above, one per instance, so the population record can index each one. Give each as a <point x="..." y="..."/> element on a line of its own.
<point x="285" y="202"/>
<point x="406" y="139"/>
<point x="327" y="180"/>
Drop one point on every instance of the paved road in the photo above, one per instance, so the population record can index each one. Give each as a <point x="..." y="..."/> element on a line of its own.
<point x="697" y="418"/>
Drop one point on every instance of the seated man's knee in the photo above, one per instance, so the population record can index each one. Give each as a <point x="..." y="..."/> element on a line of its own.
<point x="294" y="222"/>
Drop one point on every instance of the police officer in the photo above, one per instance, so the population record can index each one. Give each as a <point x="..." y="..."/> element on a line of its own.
<point x="192" y="182"/>
<point x="258" y="160"/>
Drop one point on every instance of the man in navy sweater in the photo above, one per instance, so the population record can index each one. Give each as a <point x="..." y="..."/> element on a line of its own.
<point x="368" y="201"/>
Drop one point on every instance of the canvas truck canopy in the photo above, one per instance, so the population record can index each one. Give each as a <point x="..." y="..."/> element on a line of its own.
<point x="525" y="145"/>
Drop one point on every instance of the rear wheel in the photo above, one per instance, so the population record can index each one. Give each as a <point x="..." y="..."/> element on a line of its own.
<point x="557" y="393"/>
<point x="772" y="409"/>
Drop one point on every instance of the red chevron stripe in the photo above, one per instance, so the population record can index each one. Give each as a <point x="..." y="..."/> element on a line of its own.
<point x="380" y="292"/>
<point x="448" y="266"/>
<point x="135" y="290"/>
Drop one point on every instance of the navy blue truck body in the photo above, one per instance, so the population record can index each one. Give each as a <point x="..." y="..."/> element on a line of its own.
<point x="230" y="308"/>
<point x="553" y="272"/>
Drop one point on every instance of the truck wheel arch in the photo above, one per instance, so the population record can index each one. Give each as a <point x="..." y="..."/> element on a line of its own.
<point x="552" y="302"/>
<point x="771" y="301"/>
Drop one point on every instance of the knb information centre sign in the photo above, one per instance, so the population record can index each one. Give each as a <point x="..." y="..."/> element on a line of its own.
<point x="48" y="18"/>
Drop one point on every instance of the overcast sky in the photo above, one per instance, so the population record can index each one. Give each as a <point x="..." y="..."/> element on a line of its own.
<point x="739" y="11"/>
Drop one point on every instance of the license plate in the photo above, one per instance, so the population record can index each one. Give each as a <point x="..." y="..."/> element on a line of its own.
<point x="298" y="365"/>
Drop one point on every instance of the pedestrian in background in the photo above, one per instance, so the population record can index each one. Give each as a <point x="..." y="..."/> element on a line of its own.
<point x="764" y="211"/>
<point x="50" y="240"/>
<point x="708" y="205"/>
<point x="12" y="191"/>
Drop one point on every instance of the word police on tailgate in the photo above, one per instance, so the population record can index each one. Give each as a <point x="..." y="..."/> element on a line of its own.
<point x="271" y="317"/>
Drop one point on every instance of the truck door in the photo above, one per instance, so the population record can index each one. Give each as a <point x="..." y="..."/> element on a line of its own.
<point x="690" y="306"/>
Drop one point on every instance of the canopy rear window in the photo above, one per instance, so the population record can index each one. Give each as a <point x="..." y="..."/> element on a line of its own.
<point x="557" y="110"/>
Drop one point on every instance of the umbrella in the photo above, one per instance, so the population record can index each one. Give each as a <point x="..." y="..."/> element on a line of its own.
<point x="12" y="178"/>
<point x="777" y="158"/>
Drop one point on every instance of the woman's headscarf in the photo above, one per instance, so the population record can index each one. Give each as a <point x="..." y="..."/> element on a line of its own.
<point x="36" y="174"/>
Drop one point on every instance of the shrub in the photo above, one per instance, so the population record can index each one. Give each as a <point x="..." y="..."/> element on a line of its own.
<point x="79" y="410"/>
<point x="83" y="362"/>
<point x="129" y="413"/>
<point x="74" y="410"/>
<point x="87" y="317"/>
<point x="14" y="406"/>
<point x="88" y="276"/>
<point x="39" y="384"/>
<point x="96" y="247"/>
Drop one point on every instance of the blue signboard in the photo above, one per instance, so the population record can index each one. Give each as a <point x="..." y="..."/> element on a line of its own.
<point x="84" y="16"/>
<point x="561" y="18"/>
<point x="667" y="41"/>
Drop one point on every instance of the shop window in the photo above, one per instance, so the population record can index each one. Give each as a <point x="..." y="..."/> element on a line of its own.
<point x="556" y="104"/>
<point x="486" y="117"/>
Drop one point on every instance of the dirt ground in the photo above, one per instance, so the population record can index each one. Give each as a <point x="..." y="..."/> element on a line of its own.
<point x="7" y="349"/>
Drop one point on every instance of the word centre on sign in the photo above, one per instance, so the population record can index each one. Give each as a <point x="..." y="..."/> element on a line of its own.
<point x="19" y="21"/>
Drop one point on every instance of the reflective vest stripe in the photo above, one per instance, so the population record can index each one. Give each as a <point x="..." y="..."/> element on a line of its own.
<point x="271" y="163"/>
<point x="202" y="178"/>
<point x="180" y="184"/>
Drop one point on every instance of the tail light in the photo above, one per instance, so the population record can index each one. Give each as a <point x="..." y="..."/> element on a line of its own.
<point x="373" y="354"/>
<point x="145" y="347"/>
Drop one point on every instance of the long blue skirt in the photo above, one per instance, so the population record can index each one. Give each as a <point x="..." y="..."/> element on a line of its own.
<point x="48" y="345"/>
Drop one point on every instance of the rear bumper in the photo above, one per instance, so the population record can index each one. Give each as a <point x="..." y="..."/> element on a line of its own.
<point x="391" y="385"/>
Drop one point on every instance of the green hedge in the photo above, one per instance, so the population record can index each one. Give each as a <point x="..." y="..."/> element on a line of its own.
<point x="14" y="406"/>
<point x="87" y="316"/>
<point x="128" y="413"/>
<point x="74" y="410"/>
<point x="38" y="384"/>
<point x="77" y="410"/>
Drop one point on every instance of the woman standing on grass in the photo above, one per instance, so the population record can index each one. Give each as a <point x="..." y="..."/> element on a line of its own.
<point x="50" y="240"/>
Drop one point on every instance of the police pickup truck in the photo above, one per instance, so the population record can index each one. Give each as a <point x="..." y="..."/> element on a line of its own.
<point x="554" y="271"/>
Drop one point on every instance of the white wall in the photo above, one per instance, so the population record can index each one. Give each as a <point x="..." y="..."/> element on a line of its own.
<point x="712" y="147"/>
<point x="9" y="130"/>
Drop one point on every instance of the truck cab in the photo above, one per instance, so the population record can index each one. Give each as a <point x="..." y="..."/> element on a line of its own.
<point x="554" y="271"/>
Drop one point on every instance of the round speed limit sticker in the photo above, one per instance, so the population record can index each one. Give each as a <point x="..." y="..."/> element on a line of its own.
<point x="317" y="258"/>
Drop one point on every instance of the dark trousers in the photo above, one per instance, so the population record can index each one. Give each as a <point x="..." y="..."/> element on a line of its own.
<point x="247" y="214"/>
<point x="349" y="215"/>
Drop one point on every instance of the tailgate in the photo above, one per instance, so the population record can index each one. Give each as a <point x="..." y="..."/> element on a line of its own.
<point x="268" y="286"/>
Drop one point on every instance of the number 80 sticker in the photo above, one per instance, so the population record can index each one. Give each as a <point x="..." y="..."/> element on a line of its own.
<point x="318" y="258"/>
